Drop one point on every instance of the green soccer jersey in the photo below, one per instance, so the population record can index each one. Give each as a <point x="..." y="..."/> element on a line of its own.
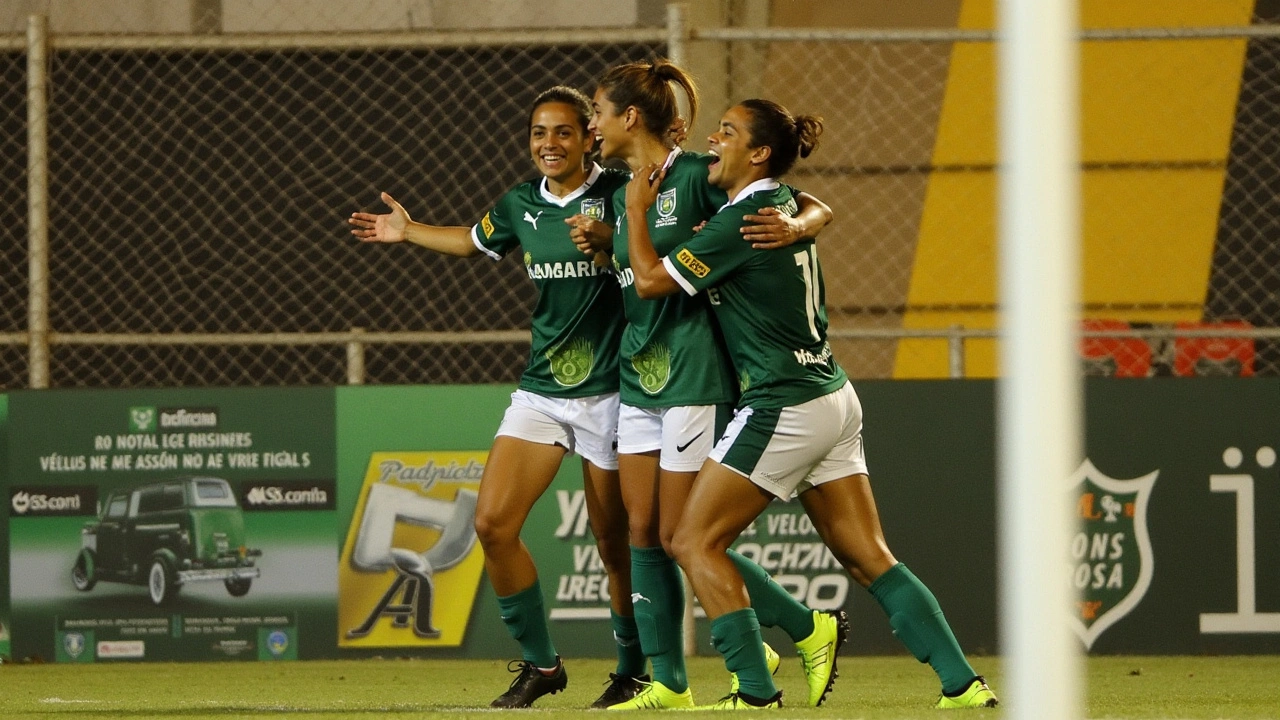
<point x="770" y="303"/>
<point x="671" y="353"/>
<point x="577" y="322"/>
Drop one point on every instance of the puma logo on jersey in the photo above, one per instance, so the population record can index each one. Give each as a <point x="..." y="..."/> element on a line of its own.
<point x="532" y="219"/>
<point x="637" y="597"/>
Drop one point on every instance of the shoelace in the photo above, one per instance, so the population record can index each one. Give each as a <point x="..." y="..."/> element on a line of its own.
<point x="520" y="666"/>
<point x="647" y="697"/>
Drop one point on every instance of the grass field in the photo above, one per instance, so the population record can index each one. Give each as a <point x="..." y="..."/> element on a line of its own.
<point x="872" y="688"/>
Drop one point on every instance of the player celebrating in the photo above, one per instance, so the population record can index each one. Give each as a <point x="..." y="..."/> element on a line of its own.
<point x="798" y="425"/>
<point x="677" y="388"/>
<point x="567" y="400"/>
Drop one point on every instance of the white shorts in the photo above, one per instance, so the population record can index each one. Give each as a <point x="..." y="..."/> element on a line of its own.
<point x="790" y="450"/>
<point x="586" y="425"/>
<point x="684" y="434"/>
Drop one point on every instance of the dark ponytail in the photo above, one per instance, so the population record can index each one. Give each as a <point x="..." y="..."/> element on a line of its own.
<point x="647" y="88"/>
<point x="787" y="137"/>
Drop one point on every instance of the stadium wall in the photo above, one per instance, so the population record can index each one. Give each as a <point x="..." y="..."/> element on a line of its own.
<point x="359" y="500"/>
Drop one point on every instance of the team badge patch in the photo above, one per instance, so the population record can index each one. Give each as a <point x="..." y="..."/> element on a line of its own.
<point x="593" y="208"/>
<point x="1111" y="558"/>
<point x="690" y="261"/>
<point x="487" y="225"/>
<point x="667" y="203"/>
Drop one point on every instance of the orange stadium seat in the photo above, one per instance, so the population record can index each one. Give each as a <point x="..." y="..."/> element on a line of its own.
<point x="1114" y="356"/>
<point x="1199" y="356"/>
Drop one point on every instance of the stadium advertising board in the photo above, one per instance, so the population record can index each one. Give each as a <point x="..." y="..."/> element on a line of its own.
<point x="4" y="530"/>
<point x="362" y="507"/>
<point x="172" y="524"/>
<point x="410" y="570"/>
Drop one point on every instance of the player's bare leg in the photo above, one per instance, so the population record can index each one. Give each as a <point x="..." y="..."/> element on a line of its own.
<point x="657" y="589"/>
<point x="844" y="513"/>
<point x="517" y="473"/>
<point x="608" y="516"/>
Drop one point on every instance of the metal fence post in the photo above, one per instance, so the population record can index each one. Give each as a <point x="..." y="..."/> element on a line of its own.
<point x="355" y="358"/>
<point x="955" y="352"/>
<point x="38" y="201"/>
<point x="677" y="33"/>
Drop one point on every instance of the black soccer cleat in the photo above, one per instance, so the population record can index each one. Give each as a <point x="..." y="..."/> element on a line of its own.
<point x="530" y="684"/>
<point x="621" y="689"/>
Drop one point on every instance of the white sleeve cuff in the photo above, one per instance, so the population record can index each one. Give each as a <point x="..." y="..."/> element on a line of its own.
<point x="671" y="270"/>
<point x="475" y="238"/>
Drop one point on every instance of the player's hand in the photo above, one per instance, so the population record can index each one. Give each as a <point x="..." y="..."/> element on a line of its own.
<point x="589" y="235"/>
<point x="386" y="228"/>
<point x="771" y="229"/>
<point x="642" y="191"/>
<point x="698" y="228"/>
<point x="679" y="131"/>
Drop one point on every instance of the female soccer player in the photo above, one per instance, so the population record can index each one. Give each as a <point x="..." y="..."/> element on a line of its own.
<point x="677" y="387"/>
<point x="798" y="424"/>
<point x="567" y="399"/>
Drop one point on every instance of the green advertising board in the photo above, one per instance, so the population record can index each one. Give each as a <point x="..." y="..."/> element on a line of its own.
<point x="4" y="531"/>
<point x="362" y="501"/>
<point x="171" y="524"/>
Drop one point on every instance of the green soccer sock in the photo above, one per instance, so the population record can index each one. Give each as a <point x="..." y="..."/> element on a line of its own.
<point x="631" y="658"/>
<point x="657" y="594"/>
<point x="526" y="620"/>
<point x="737" y="636"/>
<point x="774" y="606"/>
<point x="917" y="620"/>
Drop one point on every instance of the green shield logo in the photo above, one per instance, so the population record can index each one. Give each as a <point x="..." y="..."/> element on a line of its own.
<point x="667" y="203"/>
<point x="1111" y="559"/>
<point x="593" y="208"/>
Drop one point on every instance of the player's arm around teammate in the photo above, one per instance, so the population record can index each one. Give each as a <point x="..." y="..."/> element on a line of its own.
<point x="798" y="427"/>
<point x="567" y="400"/>
<point x="676" y="388"/>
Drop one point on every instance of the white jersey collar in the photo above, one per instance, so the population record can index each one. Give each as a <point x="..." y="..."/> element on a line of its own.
<point x="592" y="177"/>
<point x="671" y="157"/>
<point x="761" y="185"/>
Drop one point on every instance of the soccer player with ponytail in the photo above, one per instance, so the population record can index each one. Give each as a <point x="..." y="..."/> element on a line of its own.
<point x="677" y="385"/>
<point x="797" y="429"/>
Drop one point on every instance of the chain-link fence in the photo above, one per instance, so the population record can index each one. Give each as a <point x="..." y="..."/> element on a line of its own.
<point x="199" y="185"/>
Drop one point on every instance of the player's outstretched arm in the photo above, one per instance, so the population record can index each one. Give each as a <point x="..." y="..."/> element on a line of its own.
<point x="771" y="229"/>
<point x="397" y="226"/>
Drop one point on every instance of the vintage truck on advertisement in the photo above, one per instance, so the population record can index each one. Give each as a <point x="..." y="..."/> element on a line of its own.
<point x="166" y="534"/>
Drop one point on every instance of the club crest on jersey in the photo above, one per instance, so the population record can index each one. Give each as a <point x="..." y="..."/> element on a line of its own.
<point x="666" y="208"/>
<point x="1111" y="559"/>
<point x="487" y="225"/>
<point x="593" y="208"/>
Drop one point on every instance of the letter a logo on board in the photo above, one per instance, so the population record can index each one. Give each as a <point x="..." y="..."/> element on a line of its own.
<point x="1111" y="559"/>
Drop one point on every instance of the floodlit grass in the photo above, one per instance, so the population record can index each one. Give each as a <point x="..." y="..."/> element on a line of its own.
<point x="872" y="688"/>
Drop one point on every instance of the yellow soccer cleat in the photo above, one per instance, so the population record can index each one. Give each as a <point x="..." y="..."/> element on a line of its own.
<point x="735" y="701"/>
<point x="771" y="660"/>
<point x="656" y="696"/>
<point x="976" y="695"/>
<point x="818" y="653"/>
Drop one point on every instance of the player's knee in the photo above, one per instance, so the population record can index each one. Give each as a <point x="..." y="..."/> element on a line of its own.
<point x="615" y="552"/>
<point x="669" y="542"/>
<point x="642" y="533"/>
<point x="493" y="530"/>
<point x="687" y="544"/>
